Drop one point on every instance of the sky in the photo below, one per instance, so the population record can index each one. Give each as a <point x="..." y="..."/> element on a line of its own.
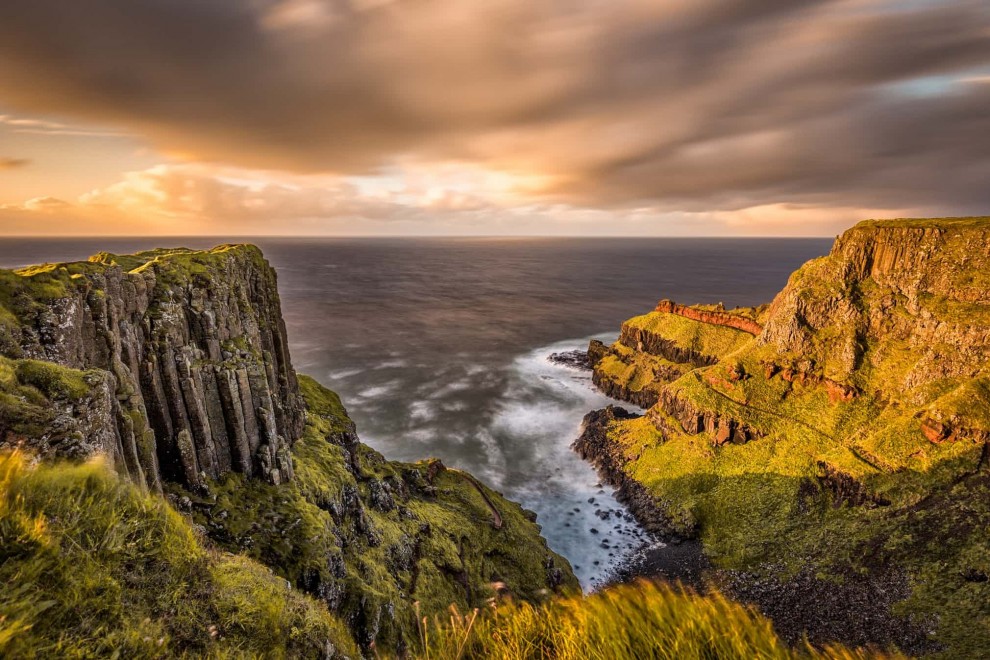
<point x="490" y="117"/>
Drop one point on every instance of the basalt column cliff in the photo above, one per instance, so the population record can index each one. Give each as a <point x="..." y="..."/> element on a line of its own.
<point x="192" y="354"/>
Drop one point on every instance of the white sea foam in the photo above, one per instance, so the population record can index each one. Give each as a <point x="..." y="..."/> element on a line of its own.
<point x="536" y="420"/>
<point x="391" y="364"/>
<point x="377" y="391"/>
<point x="341" y="374"/>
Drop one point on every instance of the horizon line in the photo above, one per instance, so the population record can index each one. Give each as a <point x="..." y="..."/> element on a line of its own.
<point x="394" y="236"/>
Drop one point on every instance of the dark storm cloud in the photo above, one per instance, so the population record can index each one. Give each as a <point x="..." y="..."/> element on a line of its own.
<point x="690" y="105"/>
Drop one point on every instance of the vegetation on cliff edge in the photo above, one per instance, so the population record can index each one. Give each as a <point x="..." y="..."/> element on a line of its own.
<point x="872" y="410"/>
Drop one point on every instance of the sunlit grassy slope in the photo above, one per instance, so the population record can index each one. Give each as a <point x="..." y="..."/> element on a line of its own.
<point x="869" y="391"/>
<point x="92" y="567"/>
<point x="644" y="620"/>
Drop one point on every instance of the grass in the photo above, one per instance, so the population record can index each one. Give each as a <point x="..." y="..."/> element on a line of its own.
<point x="644" y="620"/>
<point x="703" y="338"/>
<point x="972" y="222"/>
<point x="94" y="567"/>
<point x="371" y="536"/>
<point x="636" y="371"/>
<point x="843" y="487"/>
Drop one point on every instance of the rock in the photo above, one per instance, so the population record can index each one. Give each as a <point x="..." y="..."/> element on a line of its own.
<point x="596" y="351"/>
<point x="721" y="318"/>
<point x="163" y="334"/>
<point x="594" y="446"/>
<point x="573" y="359"/>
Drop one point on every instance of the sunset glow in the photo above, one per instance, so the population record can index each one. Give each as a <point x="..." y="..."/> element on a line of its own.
<point x="584" y="117"/>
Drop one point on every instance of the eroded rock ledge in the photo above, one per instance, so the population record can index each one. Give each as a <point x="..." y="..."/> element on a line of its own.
<point x="643" y="340"/>
<point x="711" y="317"/>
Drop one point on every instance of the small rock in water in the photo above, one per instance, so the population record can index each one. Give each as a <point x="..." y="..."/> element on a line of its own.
<point x="591" y="500"/>
<point x="593" y="530"/>
<point x="574" y="359"/>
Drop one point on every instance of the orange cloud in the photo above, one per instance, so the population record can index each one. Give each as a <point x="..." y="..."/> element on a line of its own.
<point x="204" y="200"/>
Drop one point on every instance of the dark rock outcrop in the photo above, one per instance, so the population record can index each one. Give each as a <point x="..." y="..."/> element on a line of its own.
<point x="621" y="391"/>
<point x="721" y="428"/>
<point x="640" y="339"/>
<point x="573" y="359"/>
<point x="595" y="446"/>
<point x="596" y="351"/>
<point x="194" y="347"/>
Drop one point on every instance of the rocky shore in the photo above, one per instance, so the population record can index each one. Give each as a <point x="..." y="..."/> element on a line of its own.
<point x="594" y="446"/>
<point x="860" y="611"/>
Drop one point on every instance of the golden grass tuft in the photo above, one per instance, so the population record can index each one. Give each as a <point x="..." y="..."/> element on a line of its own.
<point x="641" y="620"/>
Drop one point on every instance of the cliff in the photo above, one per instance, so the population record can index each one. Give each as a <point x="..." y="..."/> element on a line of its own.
<point x="811" y="437"/>
<point x="172" y="367"/>
<point x="193" y="348"/>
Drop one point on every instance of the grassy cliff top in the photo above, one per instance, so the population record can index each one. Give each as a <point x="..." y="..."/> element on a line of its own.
<point x="704" y="338"/>
<point x="180" y="255"/>
<point x="975" y="222"/>
<point x="136" y="262"/>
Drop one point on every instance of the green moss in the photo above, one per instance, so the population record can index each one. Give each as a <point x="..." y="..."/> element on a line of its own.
<point x="31" y="394"/>
<point x="51" y="379"/>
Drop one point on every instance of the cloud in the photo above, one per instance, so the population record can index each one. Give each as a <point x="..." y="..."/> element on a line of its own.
<point x="694" y="107"/>
<point x="451" y="199"/>
<point x="7" y="163"/>
<point x="32" y="126"/>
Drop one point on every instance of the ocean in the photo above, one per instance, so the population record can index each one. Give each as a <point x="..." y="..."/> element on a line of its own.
<point x="438" y="346"/>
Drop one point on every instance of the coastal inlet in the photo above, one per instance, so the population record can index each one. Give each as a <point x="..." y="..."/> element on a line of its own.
<point x="519" y="442"/>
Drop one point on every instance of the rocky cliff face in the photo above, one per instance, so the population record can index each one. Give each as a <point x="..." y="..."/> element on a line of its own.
<point x="891" y="293"/>
<point x="818" y="435"/>
<point x="193" y="346"/>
